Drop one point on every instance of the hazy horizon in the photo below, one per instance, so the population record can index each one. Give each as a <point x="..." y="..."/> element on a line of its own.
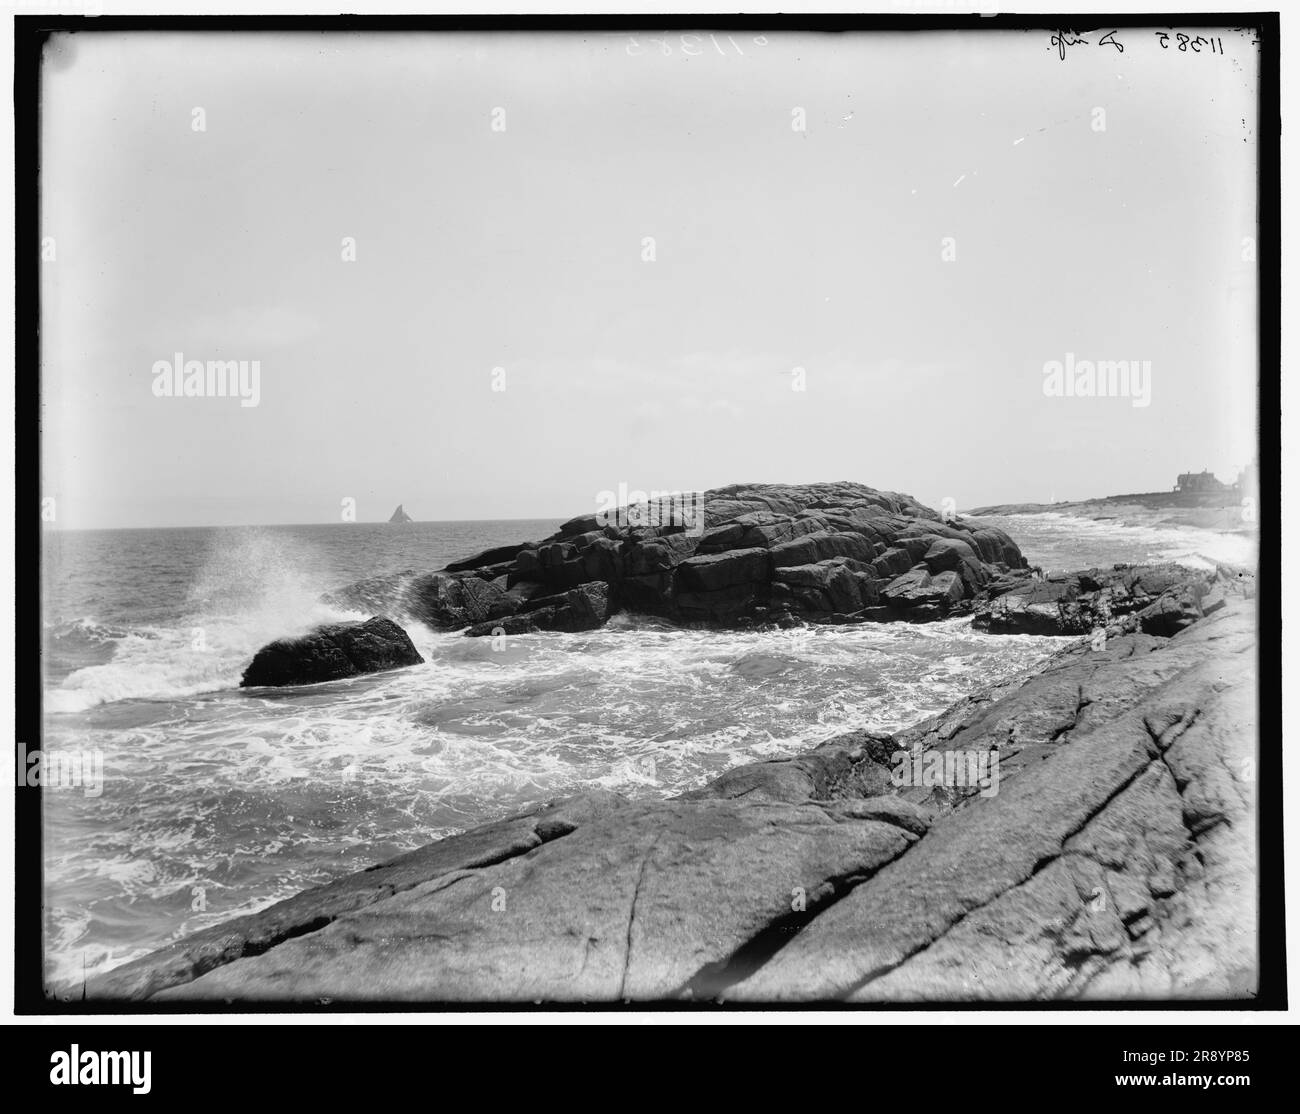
<point x="417" y="520"/>
<point x="392" y="225"/>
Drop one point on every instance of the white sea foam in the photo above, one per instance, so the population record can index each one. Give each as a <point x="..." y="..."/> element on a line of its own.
<point x="253" y="588"/>
<point x="264" y="792"/>
<point x="1061" y="541"/>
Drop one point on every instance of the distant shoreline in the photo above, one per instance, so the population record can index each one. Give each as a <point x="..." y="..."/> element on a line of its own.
<point x="1157" y="508"/>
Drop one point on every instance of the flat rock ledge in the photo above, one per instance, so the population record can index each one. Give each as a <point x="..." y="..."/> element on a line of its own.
<point x="1115" y="862"/>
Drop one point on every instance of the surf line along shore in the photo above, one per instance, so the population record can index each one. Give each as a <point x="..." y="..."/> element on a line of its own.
<point x="1116" y="861"/>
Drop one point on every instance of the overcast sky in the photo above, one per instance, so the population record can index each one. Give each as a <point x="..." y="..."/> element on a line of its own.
<point x="524" y="249"/>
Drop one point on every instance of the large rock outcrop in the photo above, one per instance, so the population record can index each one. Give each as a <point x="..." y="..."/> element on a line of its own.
<point x="756" y="552"/>
<point x="1114" y="860"/>
<point x="332" y="652"/>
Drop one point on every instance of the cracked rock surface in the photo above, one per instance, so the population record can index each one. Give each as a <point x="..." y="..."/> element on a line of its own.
<point x="640" y="904"/>
<point x="1116" y="861"/>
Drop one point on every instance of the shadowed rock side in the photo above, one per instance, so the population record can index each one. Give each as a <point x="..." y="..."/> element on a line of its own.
<point x="1115" y="861"/>
<point x="332" y="652"/>
<point x="763" y="552"/>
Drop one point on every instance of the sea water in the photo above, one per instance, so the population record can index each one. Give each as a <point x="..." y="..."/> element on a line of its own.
<point x="218" y="801"/>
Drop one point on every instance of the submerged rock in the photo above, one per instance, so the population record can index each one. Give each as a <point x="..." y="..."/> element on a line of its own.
<point x="332" y="652"/>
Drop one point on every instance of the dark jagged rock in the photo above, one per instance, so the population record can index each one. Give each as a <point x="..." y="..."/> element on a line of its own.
<point x="1159" y="599"/>
<point x="583" y="608"/>
<point x="953" y="555"/>
<point x="489" y="558"/>
<point x="839" y="586"/>
<point x="892" y="563"/>
<point x="910" y="588"/>
<point x="765" y="552"/>
<point x="440" y="600"/>
<point x="332" y="652"/>
<point x="822" y="546"/>
<point x="724" y="570"/>
<point x="1114" y="862"/>
<point x="849" y="767"/>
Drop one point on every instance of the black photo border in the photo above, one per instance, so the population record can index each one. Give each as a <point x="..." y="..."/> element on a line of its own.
<point x="31" y="32"/>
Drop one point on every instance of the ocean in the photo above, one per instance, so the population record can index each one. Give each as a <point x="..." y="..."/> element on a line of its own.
<point x="217" y="802"/>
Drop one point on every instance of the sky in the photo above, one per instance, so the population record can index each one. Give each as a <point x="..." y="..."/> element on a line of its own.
<point x="492" y="275"/>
